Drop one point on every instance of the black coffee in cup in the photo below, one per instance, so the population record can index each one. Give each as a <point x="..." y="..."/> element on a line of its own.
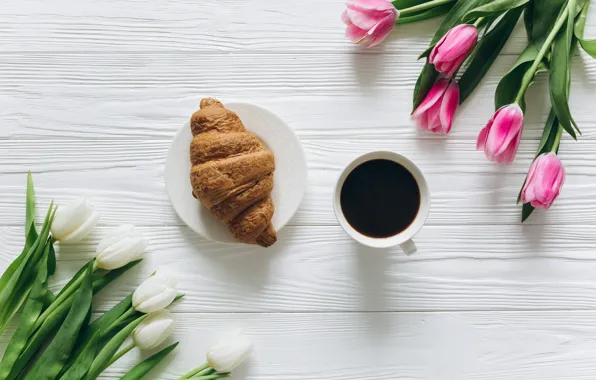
<point x="380" y="198"/>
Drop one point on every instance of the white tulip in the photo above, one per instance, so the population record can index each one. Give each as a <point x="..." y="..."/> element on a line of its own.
<point x="119" y="248"/>
<point x="229" y="353"/>
<point x="156" y="328"/>
<point x="155" y="293"/>
<point x="74" y="221"/>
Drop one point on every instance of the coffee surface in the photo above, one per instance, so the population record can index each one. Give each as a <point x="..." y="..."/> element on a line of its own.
<point x="380" y="198"/>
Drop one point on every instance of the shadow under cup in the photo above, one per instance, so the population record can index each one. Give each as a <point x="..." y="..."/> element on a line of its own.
<point x="381" y="200"/>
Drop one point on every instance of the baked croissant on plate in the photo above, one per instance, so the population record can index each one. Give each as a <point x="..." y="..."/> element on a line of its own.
<point x="232" y="173"/>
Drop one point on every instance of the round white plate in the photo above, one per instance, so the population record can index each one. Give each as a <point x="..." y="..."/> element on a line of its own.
<point x="289" y="178"/>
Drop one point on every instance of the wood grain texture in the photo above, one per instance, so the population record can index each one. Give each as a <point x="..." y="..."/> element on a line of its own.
<point x="208" y="25"/>
<point x="92" y="92"/>
<point x="316" y="269"/>
<point x="556" y="345"/>
<point x="147" y="95"/>
<point x="466" y="188"/>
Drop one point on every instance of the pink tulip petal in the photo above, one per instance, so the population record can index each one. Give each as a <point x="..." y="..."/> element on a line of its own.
<point x="511" y="152"/>
<point x="374" y="5"/>
<point x="354" y="33"/>
<point x="434" y="116"/>
<point x="481" y="142"/>
<point x="545" y="179"/>
<point x="362" y="20"/>
<point x="435" y="50"/>
<point x="458" y="44"/>
<point x="381" y="30"/>
<point x="423" y="121"/>
<point x="449" y="106"/>
<point x="345" y="18"/>
<point x="433" y="96"/>
<point x="507" y="123"/>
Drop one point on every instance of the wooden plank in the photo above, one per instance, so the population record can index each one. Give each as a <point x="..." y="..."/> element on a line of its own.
<point x="318" y="268"/>
<point x="147" y="96"/>
<point x="415" y="346"/>
<point x="125" y="179"/>
<point x="209" y="25"/>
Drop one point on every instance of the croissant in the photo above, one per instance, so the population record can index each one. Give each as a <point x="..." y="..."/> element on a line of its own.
<point x="232" y="173"/>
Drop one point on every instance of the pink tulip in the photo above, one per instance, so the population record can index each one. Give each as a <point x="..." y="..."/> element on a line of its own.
<point x="369" y="21"/>
<point x="436" y="111"/>
<point x="544" y="182"/>
<point x="501" y="136"/>
<point x="451" y="50"/>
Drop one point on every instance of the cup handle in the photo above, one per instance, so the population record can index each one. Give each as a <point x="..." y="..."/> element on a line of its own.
<point x="409" y="247"/>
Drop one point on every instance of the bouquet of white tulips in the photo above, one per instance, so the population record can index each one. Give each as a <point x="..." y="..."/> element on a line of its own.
<point x="54" y="339"/>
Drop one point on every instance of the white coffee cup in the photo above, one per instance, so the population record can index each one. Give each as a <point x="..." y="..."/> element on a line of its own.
<point x="404" y="238"/>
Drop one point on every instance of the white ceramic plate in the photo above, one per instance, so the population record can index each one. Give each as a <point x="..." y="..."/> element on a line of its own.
<point x="289" y="179"/>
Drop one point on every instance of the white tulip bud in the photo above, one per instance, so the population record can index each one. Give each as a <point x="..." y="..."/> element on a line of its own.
<point x="155" y="293"/>
<point x="156" y="328"/>
<point x="229" y="353"/>
<point x="74" y="221"/>
<point x="121" y="247"/>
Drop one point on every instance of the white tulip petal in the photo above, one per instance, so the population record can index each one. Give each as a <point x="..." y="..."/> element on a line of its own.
<point x="229" y="353"/>
<point x="158" y="302"/>
<point x="121" y="247"/>
<point x="155" y="293"/>
<point x="154" y="330"/>
<point x="84" y="230"/>
<point x="114" y="236"/>
<point x="74" y="221"/>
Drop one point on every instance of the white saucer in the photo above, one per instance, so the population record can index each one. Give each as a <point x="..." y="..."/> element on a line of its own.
<point x="289" y="179"/>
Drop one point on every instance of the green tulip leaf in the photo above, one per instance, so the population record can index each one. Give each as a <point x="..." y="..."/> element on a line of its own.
<point x="16" y="288"/>
<point x="98" y="327"/>
<point x="527" y="210"/>
<point x="81" y="365"/>
<point x="560" y="81"/>
<point x="540" y="17"/>
<point x="103" y="358"/>
<point x="426" y="14"/>
<point x="102" y="282"/>
<point x="41" y="335"/>
<point x="49" y="326"/>
<point x="140" y="370"/>
<point x="403" y="4"/>
<point x="33" y="308"/>
<point x="493" y="8"/>
<point x="486" y="52"/>
<point x="30" y="208"/>
<point x="49" y="365"/>
<point x="589" y="46"/>
<point x="510" y="84"/>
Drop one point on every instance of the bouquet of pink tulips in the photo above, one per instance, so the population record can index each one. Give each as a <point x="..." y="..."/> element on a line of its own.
<point x="462" y="50"/>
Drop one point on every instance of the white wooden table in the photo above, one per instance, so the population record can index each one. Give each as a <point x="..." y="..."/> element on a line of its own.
<point x="92" y="91"/>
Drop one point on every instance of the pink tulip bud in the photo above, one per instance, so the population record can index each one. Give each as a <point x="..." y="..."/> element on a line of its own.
<point x="451" y="50"/>
<point x="501" y="136"/>
<point x="436" y="111"/>
<point x="369" y="21"/>
<point x="545" y="179"/>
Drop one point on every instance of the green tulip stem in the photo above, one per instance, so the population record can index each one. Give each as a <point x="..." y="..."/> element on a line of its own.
<point x="478" y="22"/>
<point x="195" y="371"/>
<point x="557" y="141"/>
<point x="128" y="313"/>
<point x="120" y="354"/>
<point x="545" y="47"/>
<point x="422" y="7"/>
